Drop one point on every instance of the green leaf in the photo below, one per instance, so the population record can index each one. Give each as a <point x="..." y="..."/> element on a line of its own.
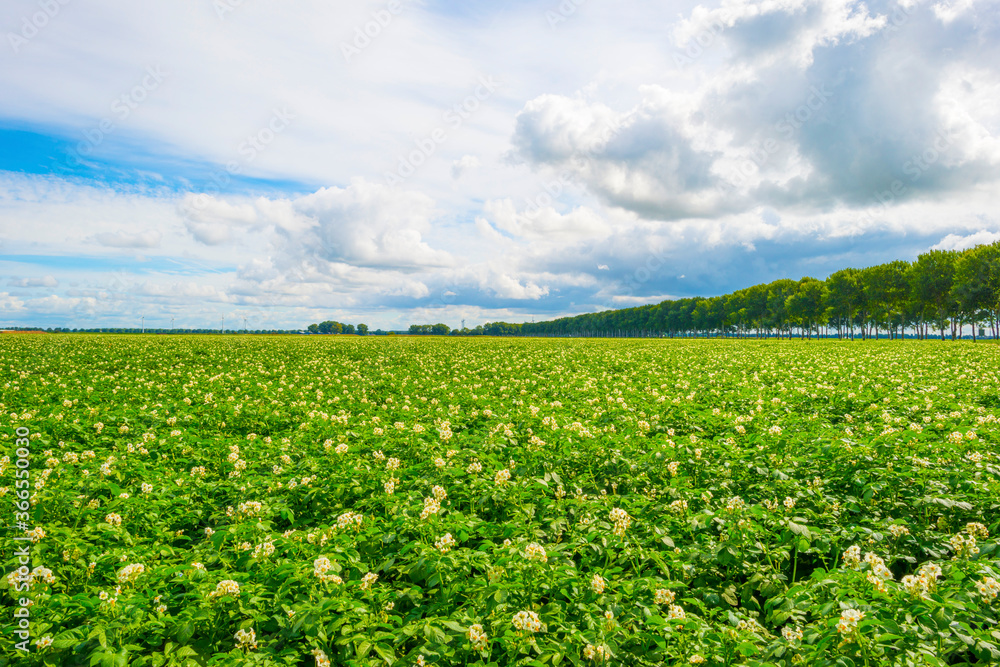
<point x="385" y="653"/>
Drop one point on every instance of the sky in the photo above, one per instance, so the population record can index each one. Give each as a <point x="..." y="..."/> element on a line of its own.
<point x="184" y="162"/>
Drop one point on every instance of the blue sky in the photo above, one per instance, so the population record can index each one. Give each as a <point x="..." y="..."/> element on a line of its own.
<point x="427" y="161"/>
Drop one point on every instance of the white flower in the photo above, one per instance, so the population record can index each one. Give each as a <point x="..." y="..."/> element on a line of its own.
<point x="246" y="638"/>
<point x="225" y="587"/>
<point x="445" y="543"/>
<point x="527" y="621"/>
<point x="368" y="580"/>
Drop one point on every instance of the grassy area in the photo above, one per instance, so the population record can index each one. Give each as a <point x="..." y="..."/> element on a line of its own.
<point x="293" y="500"/>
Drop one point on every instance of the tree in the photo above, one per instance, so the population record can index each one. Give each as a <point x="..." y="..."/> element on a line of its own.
<point x="931" y="281"/>
<point x="977" y="285"/>
<point x="329" y="327"/>
<point x="348" y="329"/>
<point x="362" y="329"/>
<point x="313" y="328"/>
<point x="843" y="297"/>
<point x="806" y="304"/>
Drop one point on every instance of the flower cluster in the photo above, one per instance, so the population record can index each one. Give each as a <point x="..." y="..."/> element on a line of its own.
<point x="678" y="506"/>
<point x="502" y="477"/>
<point x="852" y="557"/>
<point x="898" y="531"/>
<point x="878" y="573"/>
<point x="431" y="506"/>
<point x="225" y="587"/>
<point x="445" y="543"/>
<point x="321" y="569"/>
<point x="597" y="583"/>
<point x="791" y="634"/>
<point x="977" y="530"/>
<point x="663" y="596"/>
<point x="130" y="573"/>
<point x="535" y="551"/>
<point x="350" y="519"/>
<point x="848" y="622"/>
<point x="246" y="639"/>
<point x="964" y="547"/>
<point x="599" y="653"/>
<point x="988" y="588"/>
<point x="250" y="508"/>
<point x="368" y="580"/>
<point x="621" y="519"/>
<point x="477" y="637"/>
<point x="923" y="582"/>
<point x="527" y="621"/>
<point x="264" y="549"/>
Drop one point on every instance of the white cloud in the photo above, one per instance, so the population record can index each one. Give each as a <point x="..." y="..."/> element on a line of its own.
<point x="46" y="281"/>
<point x="123" y="239"/>
<point x="365" y="224"/>
<point x="949" y="10"/>
<point x="957" y="242"/>
<point x="10" y="303"/>
<point x="464" y="164"/>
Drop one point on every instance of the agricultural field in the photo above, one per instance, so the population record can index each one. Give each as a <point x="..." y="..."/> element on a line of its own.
<point x="428" y="501"/>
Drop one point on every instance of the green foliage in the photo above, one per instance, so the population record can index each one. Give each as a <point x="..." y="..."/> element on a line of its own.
<point x="384" y="501"/>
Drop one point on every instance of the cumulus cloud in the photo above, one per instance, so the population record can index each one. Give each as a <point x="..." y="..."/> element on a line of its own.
<point x="957" y="242"/>
<point x="861" y="111"/>
<point x="10" y="303"/>
<point x="790" y="30"/>
<point x="215" y="221"/>
<point x="367" y="224"/>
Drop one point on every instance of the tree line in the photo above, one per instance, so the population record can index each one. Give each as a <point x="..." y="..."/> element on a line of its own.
<point x="941" y="292"/>
<point x="331" y="327"/>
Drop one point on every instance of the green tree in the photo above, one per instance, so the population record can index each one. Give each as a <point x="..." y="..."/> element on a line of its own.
<point x="932" y="279"/>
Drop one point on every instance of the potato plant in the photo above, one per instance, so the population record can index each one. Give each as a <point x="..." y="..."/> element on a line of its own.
<point x="400" y="501"/>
